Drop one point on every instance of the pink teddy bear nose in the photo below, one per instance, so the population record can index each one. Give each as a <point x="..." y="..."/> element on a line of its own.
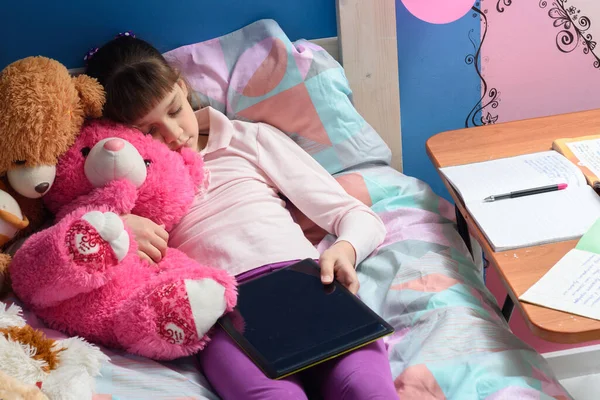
<point x="114" y="144"/>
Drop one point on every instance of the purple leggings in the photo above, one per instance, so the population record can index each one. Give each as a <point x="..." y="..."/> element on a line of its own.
<point x="363" y="374"/>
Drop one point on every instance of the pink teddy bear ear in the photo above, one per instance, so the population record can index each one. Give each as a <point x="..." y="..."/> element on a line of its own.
<point x="195" y="165"/>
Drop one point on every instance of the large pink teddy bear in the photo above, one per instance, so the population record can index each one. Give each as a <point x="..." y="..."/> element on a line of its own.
<point x="83" y="275"/>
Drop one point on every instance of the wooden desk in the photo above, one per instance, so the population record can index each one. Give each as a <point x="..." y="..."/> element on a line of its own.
<point x="521" y="268"/>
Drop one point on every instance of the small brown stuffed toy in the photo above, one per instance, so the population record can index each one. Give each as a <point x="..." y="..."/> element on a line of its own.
<point x="13" y="389"/>
<point x="42" y="109"/>
<point x="12" y="221"/>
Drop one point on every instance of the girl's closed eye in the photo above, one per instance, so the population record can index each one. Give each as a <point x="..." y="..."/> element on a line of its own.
<point x="151" y="131"/>
<point x="174" y="113"/>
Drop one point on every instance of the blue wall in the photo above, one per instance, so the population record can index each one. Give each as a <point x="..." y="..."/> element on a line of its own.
<point x="438" y="88"/>
<point x="66" y="29"/>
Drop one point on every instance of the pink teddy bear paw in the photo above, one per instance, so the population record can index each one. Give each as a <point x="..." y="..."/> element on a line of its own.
<point x="97" y="238"/>
<point x="187" y="309"/>
<point x="170" y="319"/>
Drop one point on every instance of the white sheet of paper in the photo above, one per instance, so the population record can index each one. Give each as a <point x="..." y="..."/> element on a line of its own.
<point x="588" y="152"/>
<point x="572" y="285"/>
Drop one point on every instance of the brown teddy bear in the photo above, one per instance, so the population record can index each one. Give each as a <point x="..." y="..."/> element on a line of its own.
<point x="42" y="108"/>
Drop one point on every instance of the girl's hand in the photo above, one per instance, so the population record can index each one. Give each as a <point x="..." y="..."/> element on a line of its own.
<point x="151" y="238"/>
<point x="339" y="260"/>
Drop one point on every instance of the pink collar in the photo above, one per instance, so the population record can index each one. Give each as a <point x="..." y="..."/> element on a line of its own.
<point x="220" y="129"/>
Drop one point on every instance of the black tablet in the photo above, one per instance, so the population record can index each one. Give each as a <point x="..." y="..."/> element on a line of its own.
<point x="287" y="320"/>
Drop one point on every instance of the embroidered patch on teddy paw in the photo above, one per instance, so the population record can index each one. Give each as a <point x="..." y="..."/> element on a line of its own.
<point x="111" y="229"/>
<point x="86" y="246"/>
<point x="175" y="321"/>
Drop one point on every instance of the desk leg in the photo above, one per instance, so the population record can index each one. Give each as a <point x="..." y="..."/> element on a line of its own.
<point x="463" y="229"/>
<point x="507" y="308"/>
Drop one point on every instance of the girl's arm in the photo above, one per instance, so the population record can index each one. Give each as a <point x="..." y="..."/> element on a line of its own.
<point x="316" y="193"/>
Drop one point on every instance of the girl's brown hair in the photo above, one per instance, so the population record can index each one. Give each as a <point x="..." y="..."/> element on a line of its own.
<point x="135" y="77"/>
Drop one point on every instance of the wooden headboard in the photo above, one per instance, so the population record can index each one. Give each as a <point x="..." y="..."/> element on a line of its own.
<point x="366" y="47"/>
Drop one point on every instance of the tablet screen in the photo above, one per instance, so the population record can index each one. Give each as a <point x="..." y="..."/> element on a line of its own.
<point x="288" y="320"/>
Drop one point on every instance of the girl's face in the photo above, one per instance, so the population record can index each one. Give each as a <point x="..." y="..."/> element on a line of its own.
<point x="172" y="121"/>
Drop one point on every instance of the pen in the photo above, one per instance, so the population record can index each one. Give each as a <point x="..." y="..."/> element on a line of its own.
<point x="526" y="192"/>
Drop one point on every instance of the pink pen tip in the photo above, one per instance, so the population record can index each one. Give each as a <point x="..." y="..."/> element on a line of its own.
<point x="562" y="186"/>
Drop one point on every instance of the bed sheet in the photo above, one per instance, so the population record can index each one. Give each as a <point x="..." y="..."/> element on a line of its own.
<point x="451" y="341"/>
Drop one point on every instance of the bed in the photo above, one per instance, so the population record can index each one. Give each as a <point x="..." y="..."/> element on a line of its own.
<point x="450" y="338"/>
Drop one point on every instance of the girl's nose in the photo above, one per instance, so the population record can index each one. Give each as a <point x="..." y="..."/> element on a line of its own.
<point x="172" y="134"/>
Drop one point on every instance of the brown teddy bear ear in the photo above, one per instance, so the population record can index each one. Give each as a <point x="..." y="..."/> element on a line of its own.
<point x="91" y="94"/>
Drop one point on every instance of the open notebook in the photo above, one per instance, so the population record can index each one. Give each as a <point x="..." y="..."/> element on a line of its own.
<point x="583" y="151"/>
<point x="530" y="220"/>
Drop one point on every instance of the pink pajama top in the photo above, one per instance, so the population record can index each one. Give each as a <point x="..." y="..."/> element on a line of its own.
<point x="241" y="223"/>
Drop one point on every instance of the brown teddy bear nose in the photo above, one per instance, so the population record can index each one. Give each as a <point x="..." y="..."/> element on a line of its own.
<point x="42" y="187"/>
